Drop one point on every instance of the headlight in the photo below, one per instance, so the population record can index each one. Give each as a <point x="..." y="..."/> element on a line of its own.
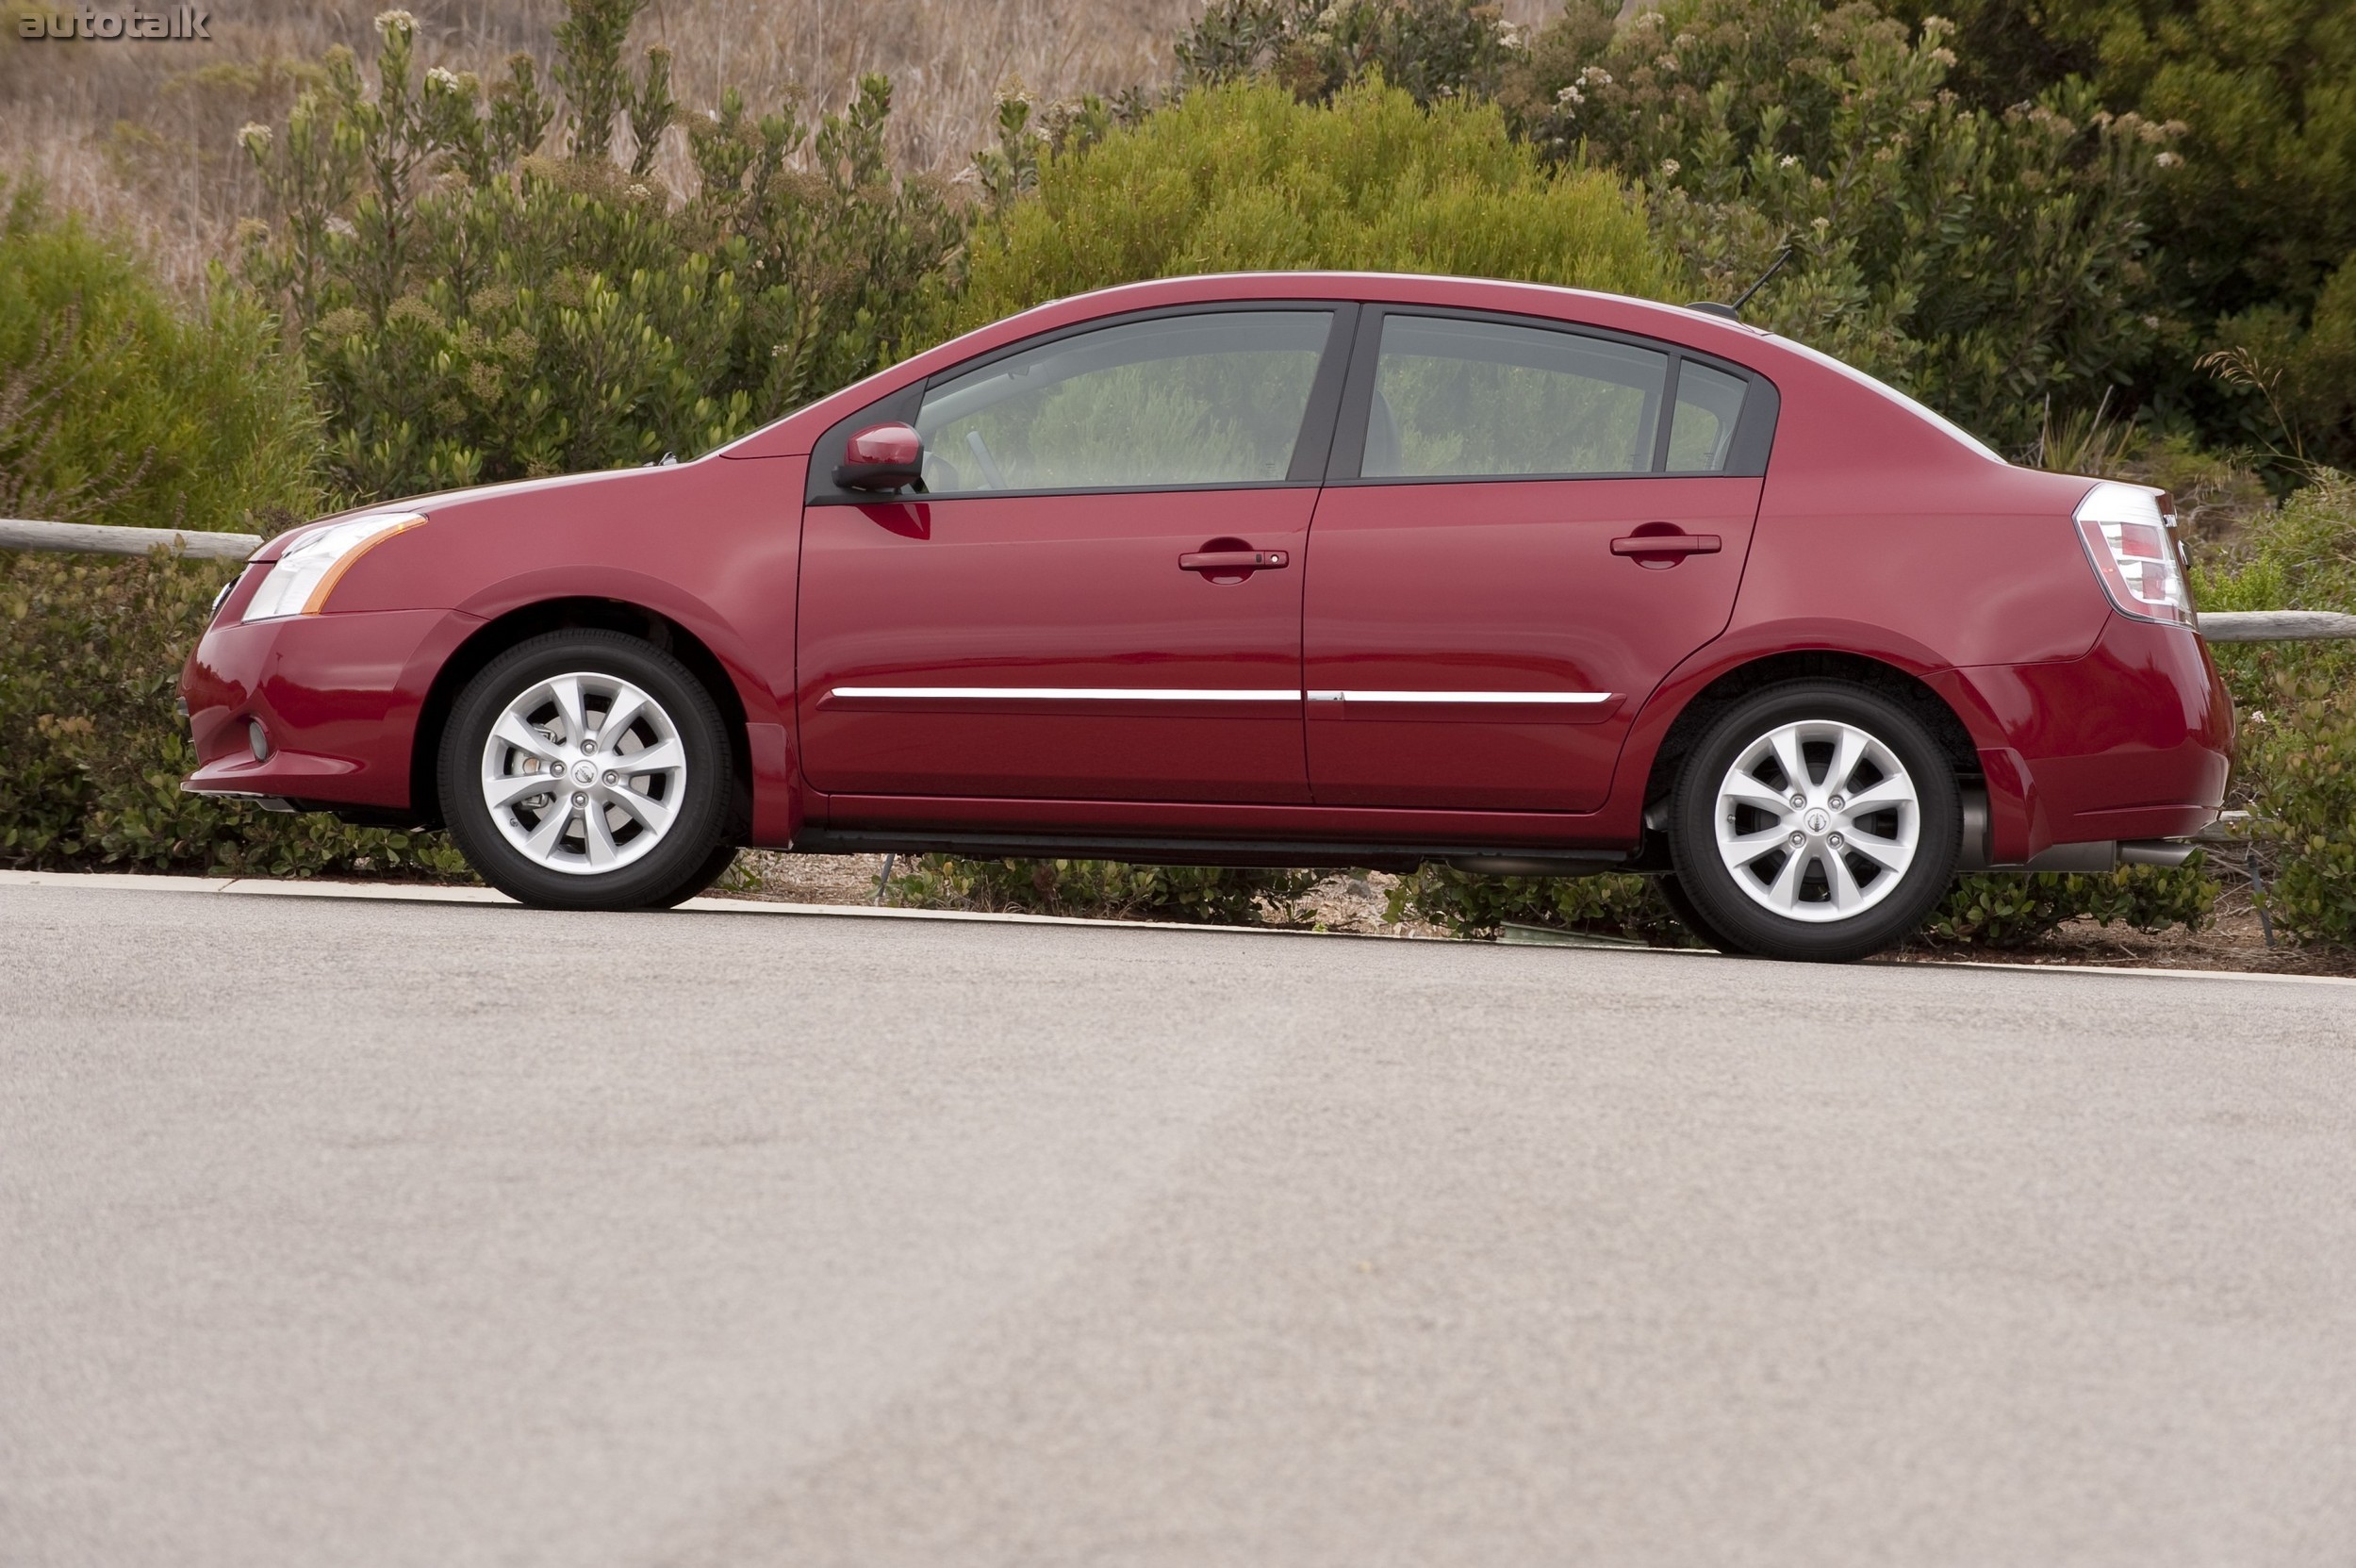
<point x="301" y="580"/>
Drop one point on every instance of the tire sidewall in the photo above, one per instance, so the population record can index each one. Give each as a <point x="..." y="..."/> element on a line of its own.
<point x="1703" y="878"/>
<point x="655" y="878"/>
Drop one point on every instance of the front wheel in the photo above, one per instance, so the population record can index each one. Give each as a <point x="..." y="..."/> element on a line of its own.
<point x="587" y="770"/>
<point x="1815" y="821"/>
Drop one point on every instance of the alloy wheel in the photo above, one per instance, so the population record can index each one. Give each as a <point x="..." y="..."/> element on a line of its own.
<point x="1818" y="820"/>
<point x="584" y="773"/>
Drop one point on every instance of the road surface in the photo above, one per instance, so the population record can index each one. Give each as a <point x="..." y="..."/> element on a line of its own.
<point x="358" y="1232"/>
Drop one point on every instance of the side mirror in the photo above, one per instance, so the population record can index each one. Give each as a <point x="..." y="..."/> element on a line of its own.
<point x="881" y="457"/>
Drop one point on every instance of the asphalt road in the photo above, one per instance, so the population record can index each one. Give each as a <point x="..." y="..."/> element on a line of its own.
<point x="356" y="1234"/>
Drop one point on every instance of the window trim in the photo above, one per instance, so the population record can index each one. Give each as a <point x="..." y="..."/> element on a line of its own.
<point x="1311" y="446"/>
<point x="1746" y="457"/>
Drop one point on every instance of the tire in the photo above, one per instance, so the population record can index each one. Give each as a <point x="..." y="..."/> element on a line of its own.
<point x="1690" y="916"/>
<point x="1864" y="873"/>
<point x="601" y="836"/>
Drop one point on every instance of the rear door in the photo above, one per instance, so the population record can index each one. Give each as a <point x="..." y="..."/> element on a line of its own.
<point x="1529" y="525"/>
<point x="1100" y="595"/>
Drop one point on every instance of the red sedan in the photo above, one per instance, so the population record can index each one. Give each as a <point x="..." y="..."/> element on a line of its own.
<point x="1297" y="568"/>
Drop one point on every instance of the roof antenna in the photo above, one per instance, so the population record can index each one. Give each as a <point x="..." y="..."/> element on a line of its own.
<point x="1734" y="312"/>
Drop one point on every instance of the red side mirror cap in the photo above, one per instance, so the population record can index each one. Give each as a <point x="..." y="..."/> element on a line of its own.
<point x="881" y="457"/>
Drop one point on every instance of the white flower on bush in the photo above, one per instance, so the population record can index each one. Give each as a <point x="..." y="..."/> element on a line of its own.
<point x="1788" y="160"/>
<point x="1669" y="167"/>
<point x="2168" y="160"/>
<point x="1595" y="75"/>
<point x="1570" y="96"/>
<point x="440" y="78"/>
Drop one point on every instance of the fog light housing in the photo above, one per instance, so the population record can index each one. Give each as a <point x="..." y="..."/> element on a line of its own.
<point x="258" y="738"/>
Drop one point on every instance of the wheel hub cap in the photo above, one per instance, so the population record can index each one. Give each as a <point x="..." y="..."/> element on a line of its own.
<point x="584" y="773"/>
<point x="1818" y="821"/>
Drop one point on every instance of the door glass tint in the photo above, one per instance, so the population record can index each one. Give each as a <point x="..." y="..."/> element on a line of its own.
<point x="1708" y="404"/>
<point x="1177" y="401"/>
<point x="1462" y="398"/>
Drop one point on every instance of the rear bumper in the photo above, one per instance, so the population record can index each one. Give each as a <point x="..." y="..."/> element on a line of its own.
<point x="339" y="696"/>
<point x="2130" y="743"/>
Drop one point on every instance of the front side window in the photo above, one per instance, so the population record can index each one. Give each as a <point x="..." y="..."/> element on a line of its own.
<point x="1169" y="402"/>
<point x="1462" y="399"/>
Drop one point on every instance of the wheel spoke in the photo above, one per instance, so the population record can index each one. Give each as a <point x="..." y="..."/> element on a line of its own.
<point x="1784" y="893"/>
<point x="505" y="790"/>
<point x="599" y="836"/>
<point x="628" y="703"/>
<point x="1786" y="742"/>
<point x="567" y="691"/>
<point x="1847" y="896"/>
<point x="1750" y="791"/>
<point x="550" y="829"/>
<point x="1891" y="790"/>
<point x="523" y="737"/>
<point x="1741" y="850"/>
<point x="1887" y="854"/>
<point x="654" y="815"/>
<point x="661" y="757"/>
<point x="1848" y="751"/>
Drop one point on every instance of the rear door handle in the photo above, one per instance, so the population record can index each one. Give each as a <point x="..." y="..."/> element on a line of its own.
<point x="1667" y="544"/>
<point x="1233" y="560"/>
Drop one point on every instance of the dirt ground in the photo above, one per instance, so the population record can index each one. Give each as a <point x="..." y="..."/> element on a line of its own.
<point x="1353" y="901"/>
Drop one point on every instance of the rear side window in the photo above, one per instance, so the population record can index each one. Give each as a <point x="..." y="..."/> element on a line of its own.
<point x="1456" y="398"/>
<point x="1170" y="401"/>
<point x="1710" y="406"/>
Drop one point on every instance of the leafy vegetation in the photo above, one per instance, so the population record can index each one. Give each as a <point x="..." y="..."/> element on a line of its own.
<point x="474" y="307"/>
<point x="1210" y="895"/>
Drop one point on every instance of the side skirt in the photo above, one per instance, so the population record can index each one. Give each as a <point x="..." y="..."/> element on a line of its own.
<point x="1208" y="851"/>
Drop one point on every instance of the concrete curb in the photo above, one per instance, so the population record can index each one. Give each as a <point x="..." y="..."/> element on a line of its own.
<point x="429" y="893"/>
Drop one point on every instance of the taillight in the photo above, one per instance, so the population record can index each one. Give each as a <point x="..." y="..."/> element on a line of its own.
<point x="2131" y="536"/>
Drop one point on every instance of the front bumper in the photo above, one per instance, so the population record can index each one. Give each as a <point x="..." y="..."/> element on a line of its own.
<point x="338" y="697"/>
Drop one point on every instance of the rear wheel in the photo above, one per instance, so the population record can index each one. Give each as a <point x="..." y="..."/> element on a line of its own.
<point x="587" y="770"/>
<point x="1815" y="821"/>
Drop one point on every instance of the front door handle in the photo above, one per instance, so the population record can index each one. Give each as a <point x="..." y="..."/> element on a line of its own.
<point x="1232" y="560"/>
<point x="1667" y="544"/>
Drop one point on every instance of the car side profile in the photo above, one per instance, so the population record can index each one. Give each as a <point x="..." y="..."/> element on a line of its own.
<point x="1286" y="569"/>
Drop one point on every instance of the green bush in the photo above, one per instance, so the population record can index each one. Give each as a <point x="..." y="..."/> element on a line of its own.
<point x="91" y="652"/>
<point x="1472" y="904"/>
<point x="126" y="407"/>
<point x="1210" y="895"/>
<point x="473" y="308"/>
<point x="2296" y="771"/>
<point x="1434" y="49"/>
<point x="118" y="406"/>
<point x="1992" y="262"/>
<point x="2013" y="911"/>
<point x="1244" y="178"/>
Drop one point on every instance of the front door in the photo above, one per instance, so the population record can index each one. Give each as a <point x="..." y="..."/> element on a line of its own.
<point x="1516" y="547"/>
<point x="1098" y="597"/>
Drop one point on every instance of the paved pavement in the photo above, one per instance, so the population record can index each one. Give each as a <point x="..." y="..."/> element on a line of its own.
<point x="364" y="1232"/>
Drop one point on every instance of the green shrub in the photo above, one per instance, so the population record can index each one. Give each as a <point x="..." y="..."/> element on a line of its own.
<point x="1434" y="49"/>
<point x="1245" y="177"/>
<point x="118" y="406"/>
<point x="91" y="652"/>
<point x="2013" y="911"/>
<point x="1210" y="895"/>
<point x="1472" y="904"/>
<point x="2302" y="763"/>
<point x="123" y="405"/>
<point x="475" y="309"/>
<point x="1992" y="262"/>
<point x="2296" y="771"/>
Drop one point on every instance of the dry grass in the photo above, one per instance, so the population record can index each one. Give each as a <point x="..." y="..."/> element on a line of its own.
<point x="143" y="136"/>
